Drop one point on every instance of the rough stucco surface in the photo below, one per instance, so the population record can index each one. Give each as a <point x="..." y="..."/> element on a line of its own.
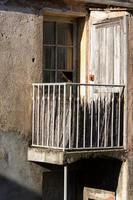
<point x="130" y="86"/>
<point x="19" y="179"/>
<point x="20" y="42"/>
<point x="20" y="66"/>
<point x="130" y="176"/>
<point x="130" y="110"/>
<point x="21" y="32"/>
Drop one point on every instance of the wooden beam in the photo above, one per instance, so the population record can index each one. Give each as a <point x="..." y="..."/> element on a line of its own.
<point x="116" y="3"/>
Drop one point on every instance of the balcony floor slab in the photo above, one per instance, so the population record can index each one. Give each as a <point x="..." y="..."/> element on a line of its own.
<point x="59" y="157"/>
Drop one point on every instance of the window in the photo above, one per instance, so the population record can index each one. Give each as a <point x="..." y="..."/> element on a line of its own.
<point x="59" y="44"/>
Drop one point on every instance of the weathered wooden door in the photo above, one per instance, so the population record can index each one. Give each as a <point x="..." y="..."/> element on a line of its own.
<point x="107" y="51"/>
<point x="107" y="67"/>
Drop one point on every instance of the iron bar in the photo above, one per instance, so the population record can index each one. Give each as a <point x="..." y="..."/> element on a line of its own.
<point x="53" y="115"/>
<point x="119" y="120"/>
<point x="38" y="117"/>
<point x="48" y="120"/>
<point x="112" y="120"/>
<point x="77" y="136"/>
<point x="70" y="115"/>
<point x="58" y="128"/>
<point x="33" y="114"/>
<point x="84" y="126"/>
<point x="43" y="104"/>
<point x="64" y="114"/>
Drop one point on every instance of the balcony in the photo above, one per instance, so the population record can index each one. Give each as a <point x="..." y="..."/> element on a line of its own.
<point x="76" y="119"/>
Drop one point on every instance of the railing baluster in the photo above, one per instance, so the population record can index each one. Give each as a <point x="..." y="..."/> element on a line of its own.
<point x="64" y="116"/>
<point x="98" y="124"/>
<point x="38" y="113"/>
<point x="73" y="118"/>
<point x="33" y="115"/>
<point x="53" y="115"/>
<point x="119" y="119"/>
<point x="43" y="104"/>
<point x="48" y="120"/>
<point x="105" y="132"/>
<point x="112" y="120"/>
<point x="89" y="131"/>
<point x="77" y="135"/>
<point x="91" y="136"/>
<point x="58" y="129"/>
<point x="70" y="114"/>
<point x="84" y="126"/>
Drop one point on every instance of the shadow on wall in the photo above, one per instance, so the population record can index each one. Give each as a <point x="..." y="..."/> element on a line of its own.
<point x="28" y="7"/>
<point x="98" y="173"/>
<point x="53" y="185"/>
<point x="11" y="190"/>
<point x="19" y="179"/>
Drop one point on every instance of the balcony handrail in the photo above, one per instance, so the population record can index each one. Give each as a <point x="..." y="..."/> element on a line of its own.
<point x="81" y="84"/>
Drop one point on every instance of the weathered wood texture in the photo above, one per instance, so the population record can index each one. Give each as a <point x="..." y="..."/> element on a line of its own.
<point x="107" y="57"/>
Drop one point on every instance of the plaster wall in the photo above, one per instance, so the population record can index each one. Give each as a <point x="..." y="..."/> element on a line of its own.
<point x="21" y="29"/>
<point x="20" y="66"/>
<point x="130" y="86"/>
<point x="130" y="109"/>
<point x="19" y="179"/>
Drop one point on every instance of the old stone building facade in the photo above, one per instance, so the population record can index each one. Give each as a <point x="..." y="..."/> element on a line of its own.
<point x="60" y="139"/>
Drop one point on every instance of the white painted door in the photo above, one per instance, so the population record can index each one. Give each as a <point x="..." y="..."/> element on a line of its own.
<point x="107" y="51"/>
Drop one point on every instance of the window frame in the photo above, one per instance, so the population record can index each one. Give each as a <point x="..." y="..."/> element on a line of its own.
<point x="56" y="20"/>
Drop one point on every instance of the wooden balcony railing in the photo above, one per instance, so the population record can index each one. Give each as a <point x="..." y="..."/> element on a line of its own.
<point x="72" y="116"/>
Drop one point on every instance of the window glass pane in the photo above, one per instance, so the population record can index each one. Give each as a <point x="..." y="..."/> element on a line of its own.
<point x="69" y="58"/>
<point x="64" y="76"/>
<point x="64" y="34"/>
<point x="67" y="76"/>
<point x="61" y="58"/>
<point x="49" y="57"/>
<point x="48" y="34"/>
<point x="49" y="76"/>
<point x="60" y="77"/>
<point x="65" y="58"/>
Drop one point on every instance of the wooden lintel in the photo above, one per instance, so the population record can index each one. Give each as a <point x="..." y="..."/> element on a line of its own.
<point x="63" y="12"/>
